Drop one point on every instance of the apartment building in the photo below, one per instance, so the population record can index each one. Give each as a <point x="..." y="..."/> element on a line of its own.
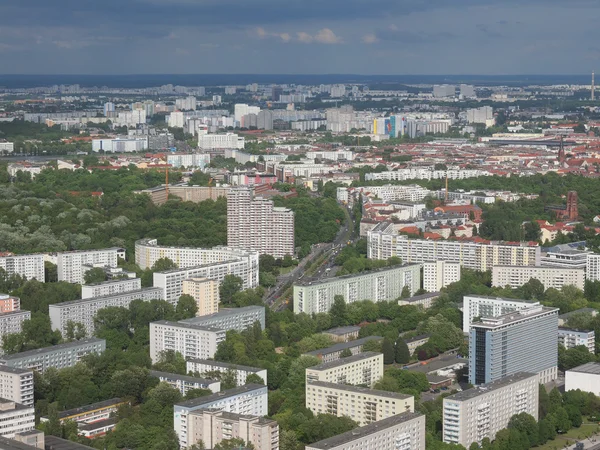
<point x="387" y="193"/>
<point x="480" y="412"/>
<point x="520" y="341"/>
<point x="9" y="303"/>
<point x="361" y="369"/>
<point x="377" y="285"/>
<point x="27" y="440"/>
<point x="439" y="274"/>
<point x="550" y="277"/>
<point x="83" y="311"/>
<point x="342" y="334"/>
<point x="585" y="377"/>
<point x="28" y="266"/>
<point x="592" y="267"/>
<point x="206" y="293"/>
<point x="570" y="337"/>
<point x="205" y="367"/>
<point x="93" y="412"/>
<point x="414" y="343"/>
<point x="334" y="352"/>
<point x="254" y="223"/>
<point x="186" y="383"/>
<point x="405" y="431"/>
<point x="15" y="418"/>
<point x="362" y="405"/>
<point x="482" y="306"/>
<point x="12" y="322"/>
<point x="16" y="385"/>
<point x="112" y="287"/>
<point x="212" y="426"/>
<point x="565" y="257"/>
<point x="250" y="399"/>
<point x="69" y="263"/>
<point x="238" y="319"/>
<point x="58" y="356"/>
<point x="383" y="242"/>
<point x="424" y="300"/>
<point x="194" y="194"/>
<point x="190" y="340"/>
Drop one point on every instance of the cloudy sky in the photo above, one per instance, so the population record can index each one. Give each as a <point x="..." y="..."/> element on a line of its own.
<point x="299" y="36"/>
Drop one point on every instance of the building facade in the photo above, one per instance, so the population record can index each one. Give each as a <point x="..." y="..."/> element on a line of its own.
<point x="28" y="266"/>
<point x="480" y="412"/>
<point x="112" y="287"/>
<point x="16" y="385"/>
<point x="12" y="322"/>
<point x="206" y="293"/>
<point x="69" y="263"/>
<point x="361" y="369"/>
<point x="376" y="285"/>
<point x="482" y="306"/>
<point x="439" y="274"/>
<point x="334" y="352"/>
<point x="185" y="383"/>
<point x="189" y="340"/>
<point x="9" y="303"/>
<point x="15" y="418"/>
<point x="204" y="367"/>
<point x="585" y="377"/>
<point x="550" y="277"/>
<point x="569" y="338"/>
<point x="238" y="319"/>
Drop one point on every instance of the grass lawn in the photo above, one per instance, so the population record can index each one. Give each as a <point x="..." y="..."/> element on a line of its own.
<point x="284" y="270"/>
<point x="570" y="437"/>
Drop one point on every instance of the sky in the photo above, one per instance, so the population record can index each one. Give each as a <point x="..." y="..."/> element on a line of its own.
<point x="299" y="37"/>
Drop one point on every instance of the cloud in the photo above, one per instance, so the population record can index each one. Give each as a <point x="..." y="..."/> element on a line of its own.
<point x="304" y="37"/>
<point x="370" y="38"/>
<point x="262" y="34"/>
<point x="326" y="36"/>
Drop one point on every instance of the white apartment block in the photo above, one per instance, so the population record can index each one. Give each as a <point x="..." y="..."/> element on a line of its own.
<point x="185" y="383"/>
<point x="481" y="306"/>
<point x="83" y="311"/>
<point x="384" y="242"/>
<point x="7" y="147"/>
<point x="569" y="338"/>
<point x="58" y="356"/>
<point x="189" y="340"/>
<point x="425" y="173"/>
<point x="592" y="272"/>
<point x="384" y="284"/>
<point x="28" y="266"/>
<point x="404" y="431"/>
<point x="206" y="293"/>
<point x="15" y="418"/>
<point x="439" y="274"/>
<point x="189" y="160"/>
<point x="585" y="377"/>
<point x="254" y="223"/>
<point x="120" y="145"/>
<point x="362" y="405"/>
<point x="250" y="399"/>
<point x="387" y="193"/>
<point x="478" y="413"/>
<point x="205" y="366"/>
<point x="16" y="385"/>
<point x="361" y="369"/>
<point x="334" y="352"/>
<point x="332" y="155"/>
<point x="118" y="286"/>
<point x="218" y="141"/>
<point x="69" y="263"/>
<point x="238" y="319"/>
<point x="211" y="426"/>
<point x="550" y="277"/>
<point x="12" y="322"/>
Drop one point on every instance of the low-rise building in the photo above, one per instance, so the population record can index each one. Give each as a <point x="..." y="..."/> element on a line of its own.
<point x="570" y="337"/>
<point x="212" y="426"/>
<point x="184" y="383"/>
<point x="206" y="293"/>
<point x="363" y="405"/>
<point x="16" y="385"/>
<point x="416" y="342"/>
<point x="58" y="356"/>
<point x="404" y="431"/>
<point x="424" y="300"/>
<point x="334" y="352"/>
<point x="250" y="399"/>
<point x="478" y="413"/>
<point x="585" y="377"/>
<point x="238" y="319"/>
<point x="342" y="334"/>
<point x="361" y="369"/>
<point x="439" y="274"/>
<point x="15" y="418"/>
<point x="113" y="287"/>
<point x="205" y="367"/>
<point x="190" y="340"/>
<point x="90" y="413"/>
<point x="550" y="277"/>
<point x="564" y="318"/>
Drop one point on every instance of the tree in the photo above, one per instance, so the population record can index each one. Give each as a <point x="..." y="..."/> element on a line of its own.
<point x="402" y="353"/>
<point x="165" y="394"/>
<point x="95" y="275"/>
<point x="196" y="393"/>
<point x="388" y="351"/>
<point x="533" y="289"/>
<point x="52" y="426"/>
<point x="345" y="353"/>
<point x="163" y="264"/>
<point x="527" y="425"/>
<point x="254" y="378"/>
<point x="74" y="331"/>
<point x="186" y="307"/>
<point x="230" y="286"/>
<point x="372" y="346"/>
<point x="338" y="312"/>
<point x="532" y="231"/>
<point x="405" y="292"/>
<point x="171" y="361"/>
<point x="233" y="444"/>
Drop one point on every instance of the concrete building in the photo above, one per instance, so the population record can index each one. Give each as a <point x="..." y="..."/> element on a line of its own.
<point x="480" y="412"/>
<point x="519" y="341"/>
<point x="569" y="338"/>
<point x="220" y="141"/>
<point x="189" y="160"/>
<point x="384" y="242"/>
<point x="83" y="311"/>
<point x="7" y="147"/>
<point x="15" y="418"/>
<point x="16" y="385"/>
<point x="342" y="334"/>
<point x="424" y="300"/>
<point x="205" y="367"/>
<point x="112" y="287"/>
<point x="120" y="145"/>
<point x="566" y="258"/>
<point x="439" y="274"/>
<point x="550" y="277"/>
<point x="90" y="413"/>
<point x="186" y="383"/>
<point x="361" y="369"/>
<point x="58" y="356"/>
<point x="416" y="342"/>
<point x="12" y="322"/>
<point x="404" y="431"/>
<point x="69" y="263"/>
<point x="238" y="319"/>
<point x="190" y="340"/>
<point x="592" y="272"/>
<point x="333" y="353"/>
<point x="444" y="90"/>
<point x="250" y="399"/>
<point x="377" y="285"/>
<point x="585" y="377"/>
<point x="254" y="223"/>
<point x="265" y="120"/>
<point x="362" y="405"/>
<point x="28" y="266"/>
<point x="211" y="426"/>
<point x="482" y="306"/>
<point x="484" y="115"/>
<point x="206" y="293"/>
<point x="194" y="194"/>
<point x="25" y="440"/>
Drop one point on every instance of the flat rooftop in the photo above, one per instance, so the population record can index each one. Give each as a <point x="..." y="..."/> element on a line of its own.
<point x="56" y="443"/>
<point x="188" y="326"/>
<point x="360" y="390"/>
<point x="225" y="313"/>
<point x="362" y="432"/>
<point x="494" y="385"/>
<point x="53" y="348"/>
<point x="15" y="370"/>
<point x="91" y="407"/>
<point x="421" y="297"/>
<point x="225" y="365"/>
<point x="109" y="296"/>
<point x="343" y="346"/>
<point x="438" y="364"/>
<point x="197" y="402"/>
<point x="11" y="444"/>
<point x="176" y="376"/>
<point x="355" y="275"/>
<point x="340" y="331"/>
<point x="344" y="361"/>
<point x="592" y="368"/>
